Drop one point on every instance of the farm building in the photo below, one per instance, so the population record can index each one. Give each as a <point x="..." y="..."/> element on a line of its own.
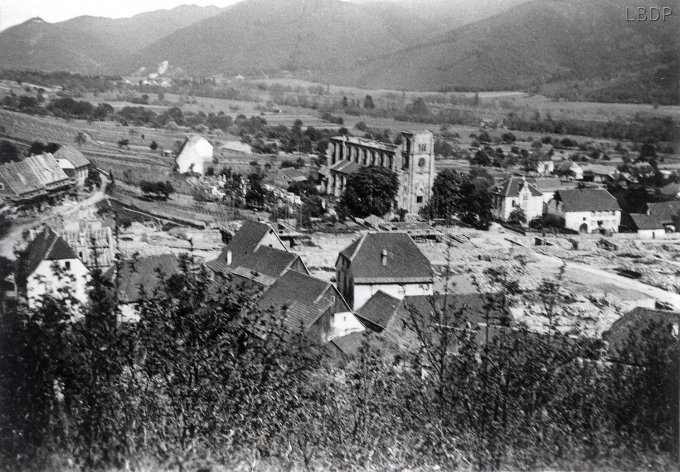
<point x="587" y="210"/>
<point x="196" y="155"/>
<point x="73" y="163"/>
<point x="33" y="179"/>
<point x="657" y="221"/>
<point x="570" y="170"/>
<point x="50" y="265"/>
<point x="387" y="262"/>
<point x="517" y="194"/>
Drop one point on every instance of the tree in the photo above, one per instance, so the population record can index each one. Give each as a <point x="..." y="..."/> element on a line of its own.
<point x="158" y="190"/>
<point x="465" y="195"/>
<point x="517" y="217"/>
<point x="8" y="152"/>
<point x="368" y="102"/>
<point x="81" y="138"/>
<point x="123" y="142"/>
<point x="370" y="191"/>
<point x="153" y="146"/>
<point x="93" y="179"/>
<point x="481" y="159"/>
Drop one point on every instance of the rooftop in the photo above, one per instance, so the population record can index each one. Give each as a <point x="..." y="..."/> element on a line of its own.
<point x="301" y="298"/>
<point x="47" y="246"/>
<point x="32" y="174"/>
<point x="587" y="199"/>
<point x="512" y="187"/>
<point x="404" y="263"/>
<point x="73" y="156"/>
<point x="143" y="272"/>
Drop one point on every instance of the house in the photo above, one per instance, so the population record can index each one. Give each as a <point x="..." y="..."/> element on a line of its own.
<point x="257" y="255"/>
<point x="196" y="155"/>
<point x="517" y="193"/>
<point x="283" y="178"/>
<point x="236" y="147"/>
<point x="599" y="173"/>
<point x="412" y="161"/>
<point x="569" y="169"/>
<point x="388" y="262"/>
<point x="139" y="278"/>
<point x="549" y="185"/>
<point x="33" y="179"/>
<point x="73" y="163"/>
<point x="311" y="305"/>
<point x="658" y="220"/>
<point x="48" y="266"/>
<point x="587" y="210"/>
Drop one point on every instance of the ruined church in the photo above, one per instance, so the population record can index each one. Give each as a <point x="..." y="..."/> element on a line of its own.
<point x="412" y="161"/>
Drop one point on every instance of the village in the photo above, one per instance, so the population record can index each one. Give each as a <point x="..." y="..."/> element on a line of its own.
<point x="281" y="230"/>
<point x="375" y="249"/>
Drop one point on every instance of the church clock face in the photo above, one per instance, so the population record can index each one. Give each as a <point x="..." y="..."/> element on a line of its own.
<point x="421" y="162"/>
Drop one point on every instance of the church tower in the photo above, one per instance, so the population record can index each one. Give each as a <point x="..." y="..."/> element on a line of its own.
<point x="416" y="174"/>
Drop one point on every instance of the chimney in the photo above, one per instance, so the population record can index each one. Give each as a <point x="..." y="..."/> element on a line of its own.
<point x="229" y="257"/>
<point x="384" y="257"/>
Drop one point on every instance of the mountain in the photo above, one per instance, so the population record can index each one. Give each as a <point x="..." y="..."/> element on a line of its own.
<point x="270" y="35"/>
<point x="536" y="42"/>
<point x="90" y="44"/>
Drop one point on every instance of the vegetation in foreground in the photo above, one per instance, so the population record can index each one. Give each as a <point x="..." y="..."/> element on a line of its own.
<point x="206" y="377"/>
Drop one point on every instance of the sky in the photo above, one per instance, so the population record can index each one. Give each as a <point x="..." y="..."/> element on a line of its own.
<point x="13" y="12"/>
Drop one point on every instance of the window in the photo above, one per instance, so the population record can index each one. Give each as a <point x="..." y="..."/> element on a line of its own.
<point x="67" y="264"/>
<point x="422" y="147"/>
<point x="419" y="199"/>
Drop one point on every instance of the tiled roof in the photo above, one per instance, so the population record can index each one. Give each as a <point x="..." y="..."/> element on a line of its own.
<point x="547" y="184"/>
<point x="249" y="236"/>
<point x="34" y="173"/>
<point x="378" y="310"/>
<point x="405" y="263"/>
<point x="47" y="246"/>
<point x="301" y="298"/>
<point x="512" y="187"/>
<point x="587" y="199"/>
<point x="644" y="221"/>
<point x="658" y="214"/>
<point x="143" y="272"/>
<point x="599" y="169"/>
<point x="265" y="261"/>
<point x="345" y="167"/>
<point x="72" y="155"/>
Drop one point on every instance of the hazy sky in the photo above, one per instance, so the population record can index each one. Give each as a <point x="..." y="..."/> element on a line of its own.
<point x="17" y="11"/>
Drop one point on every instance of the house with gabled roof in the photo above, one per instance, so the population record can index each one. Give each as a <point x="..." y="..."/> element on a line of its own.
<point x="49" y="266"/>
<point x="517" y="193"/>
<point x="311" y="305"/>
<point x="256" y="254"/>
<point x="587" y="210"/>
<point x="34" y="178"/>
<point x="73" y="163"/>
<point x="658" y="220"/>
<point x="382" y="261"/>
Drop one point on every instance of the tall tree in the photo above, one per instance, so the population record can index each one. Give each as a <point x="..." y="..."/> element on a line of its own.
<point x="370" y="191"/>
